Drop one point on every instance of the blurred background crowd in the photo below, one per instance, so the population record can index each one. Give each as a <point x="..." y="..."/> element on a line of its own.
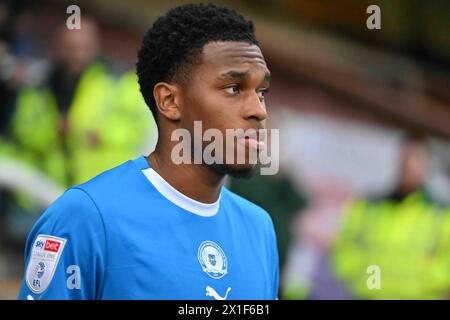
<point x="364" y="119"/>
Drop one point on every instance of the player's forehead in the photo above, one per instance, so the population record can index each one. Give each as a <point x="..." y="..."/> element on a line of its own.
<point x="230" y="55"/>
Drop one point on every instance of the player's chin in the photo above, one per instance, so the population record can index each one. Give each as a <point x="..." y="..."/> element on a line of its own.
<point x="241" y="171"/>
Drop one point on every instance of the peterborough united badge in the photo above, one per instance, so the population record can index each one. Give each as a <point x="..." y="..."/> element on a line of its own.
<point x="212" y="259"/>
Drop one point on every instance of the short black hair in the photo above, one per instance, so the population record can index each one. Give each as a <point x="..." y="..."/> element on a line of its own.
<point x="174" y="43"/>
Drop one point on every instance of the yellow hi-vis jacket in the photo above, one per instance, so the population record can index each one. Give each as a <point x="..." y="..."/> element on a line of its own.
<point x="109" y="123"/>
<point x="394" y="250"/>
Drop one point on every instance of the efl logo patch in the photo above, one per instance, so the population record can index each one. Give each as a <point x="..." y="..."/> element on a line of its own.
<point x="44" y="259"/>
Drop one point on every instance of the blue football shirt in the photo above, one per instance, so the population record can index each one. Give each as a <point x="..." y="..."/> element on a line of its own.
<point x="128" y="234"/>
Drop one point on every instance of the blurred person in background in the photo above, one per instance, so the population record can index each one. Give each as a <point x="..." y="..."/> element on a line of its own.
<point x="405" y="235"/>
<point x="78" y="122"/>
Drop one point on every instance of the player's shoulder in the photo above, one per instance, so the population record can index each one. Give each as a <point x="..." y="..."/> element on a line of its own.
<point x="109" y="179"/>
<point x="81" y="201"/>
<point x="246" y="207"/>
<point x="73" y="205"/>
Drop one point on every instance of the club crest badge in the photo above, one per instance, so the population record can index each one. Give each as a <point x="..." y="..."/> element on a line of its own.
<point x="44" y="258"/>
<point x="212" y="259"/>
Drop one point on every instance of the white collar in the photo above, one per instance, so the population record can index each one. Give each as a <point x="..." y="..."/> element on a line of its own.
<point x="179" y="199"/>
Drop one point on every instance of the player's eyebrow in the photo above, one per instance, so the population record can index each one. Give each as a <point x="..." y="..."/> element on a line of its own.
<point x="235" y="75"/>
<point x="242" y="75"/>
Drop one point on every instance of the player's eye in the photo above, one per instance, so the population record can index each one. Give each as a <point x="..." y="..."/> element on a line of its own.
<point x="262" y="93"/>
<point x="232" y="90"/>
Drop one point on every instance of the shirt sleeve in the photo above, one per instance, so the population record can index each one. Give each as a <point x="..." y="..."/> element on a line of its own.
<point x="65" y="251"/>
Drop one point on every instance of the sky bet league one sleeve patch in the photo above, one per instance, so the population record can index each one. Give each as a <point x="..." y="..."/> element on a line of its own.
<point x="44" y="258"/>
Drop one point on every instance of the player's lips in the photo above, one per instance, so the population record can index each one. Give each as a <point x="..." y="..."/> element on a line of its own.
<point x="255" y="139"/>
<point x="254" y="143"/>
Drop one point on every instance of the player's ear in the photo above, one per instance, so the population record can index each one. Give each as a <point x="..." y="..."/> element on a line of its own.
<point x="167" y="97"/>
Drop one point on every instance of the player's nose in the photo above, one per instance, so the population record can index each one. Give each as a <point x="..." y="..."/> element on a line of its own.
<point x="256" y="109"/>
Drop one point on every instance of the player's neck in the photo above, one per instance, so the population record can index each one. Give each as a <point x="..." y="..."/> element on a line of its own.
<point x="194" y="181"/>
